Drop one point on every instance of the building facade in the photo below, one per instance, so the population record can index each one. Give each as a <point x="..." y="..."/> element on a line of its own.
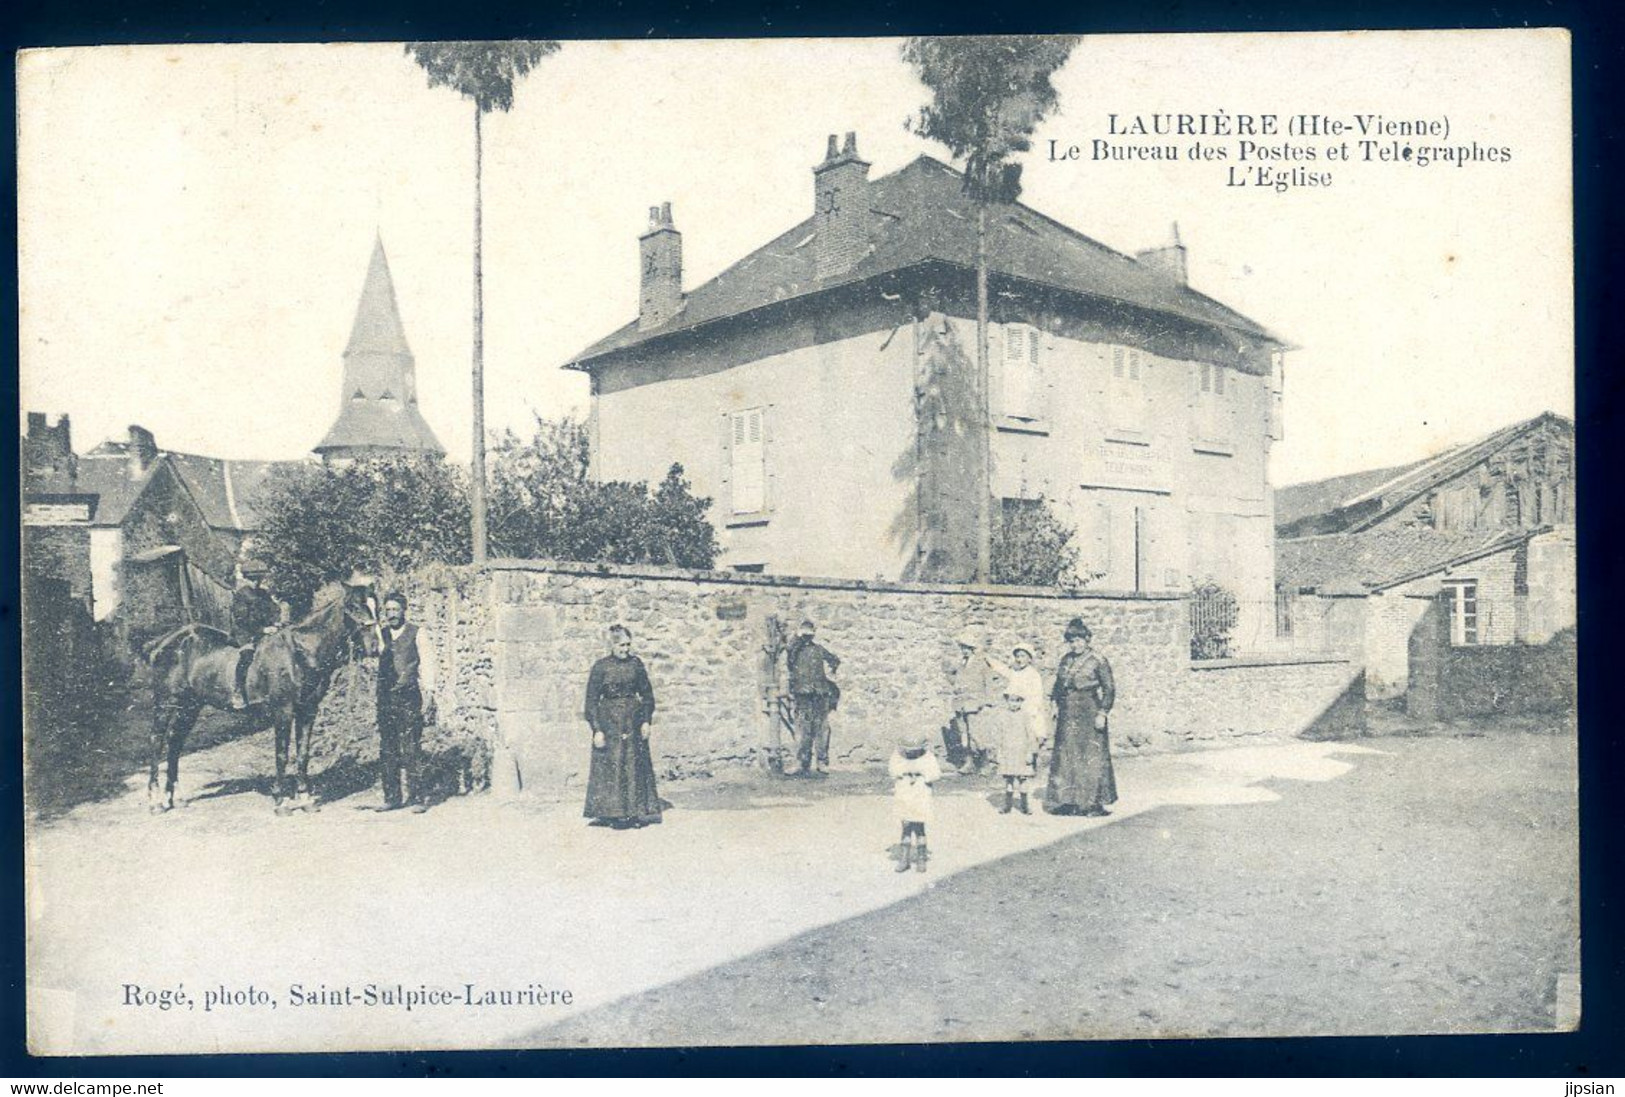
<point x="823" y="392"/>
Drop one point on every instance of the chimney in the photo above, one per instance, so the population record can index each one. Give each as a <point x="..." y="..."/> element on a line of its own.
<point x="49" y="449"/>
<point x="660" y="295"/>
<point x="1170" y="260"/>
<point x="841" y="209"/>
<point x="142" y="449"/>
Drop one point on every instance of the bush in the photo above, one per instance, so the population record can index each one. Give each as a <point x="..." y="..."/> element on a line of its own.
<point x="396" y="514"/>
<point x="543" y="505"/>
<point x="1033" y="548"/>
<point x="376" y="514"/>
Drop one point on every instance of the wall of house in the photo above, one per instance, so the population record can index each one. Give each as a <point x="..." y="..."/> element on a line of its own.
<point x="839" y="447"/>
<point x="1391" y="617"/>
<point x="1166" y="484"/>
<point x="63" y="553"/>
<point x="106" y="550"/>
<point x="515" y="644"/>
<point x="165" y="514"/>
<point x="1552" y="602"/>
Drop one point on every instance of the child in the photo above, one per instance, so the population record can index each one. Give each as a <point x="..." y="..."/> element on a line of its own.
<point x="914" y="769"/>
<point x="1017" y="740"/>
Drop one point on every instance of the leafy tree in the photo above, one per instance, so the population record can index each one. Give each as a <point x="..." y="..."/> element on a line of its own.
<point x="485" y="72"/>
<point x="988" y="94"/>
<point x="378" y="513"/>
<point x="544" y="505"/>
<point x="1034" y="548"/>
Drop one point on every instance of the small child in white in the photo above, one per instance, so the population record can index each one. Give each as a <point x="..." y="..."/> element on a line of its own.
<point x="914" y="770"/>
<point x="1017" y="742"/>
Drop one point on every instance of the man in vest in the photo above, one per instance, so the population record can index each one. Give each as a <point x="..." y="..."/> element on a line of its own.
<point x="813" y="696"/>
<point x="405" y="700"/>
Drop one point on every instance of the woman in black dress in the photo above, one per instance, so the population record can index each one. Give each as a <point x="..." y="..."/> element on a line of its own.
<point x="1080" y="768"/>
<point x="620" y="703"/>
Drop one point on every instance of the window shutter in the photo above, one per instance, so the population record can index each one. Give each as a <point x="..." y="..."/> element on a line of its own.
<point x="749" y="482"/>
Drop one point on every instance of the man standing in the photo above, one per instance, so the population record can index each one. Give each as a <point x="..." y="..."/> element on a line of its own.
<point x="405" y="702"/>
<point x="977" y="686"/>
<point x="813" y="696"/>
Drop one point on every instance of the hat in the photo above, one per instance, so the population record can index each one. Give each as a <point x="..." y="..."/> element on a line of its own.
<point x="913" y="741"/>
<point x="1075" y="628"/>
<point x="968" y="638"/>
<point x="1022" y="645"/>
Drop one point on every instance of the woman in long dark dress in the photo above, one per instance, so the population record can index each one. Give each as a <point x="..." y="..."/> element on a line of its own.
<point x="1080" y="768"/>
<point x="620" y="702"/>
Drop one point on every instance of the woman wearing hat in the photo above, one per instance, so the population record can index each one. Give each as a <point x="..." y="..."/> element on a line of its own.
<point x="1080" y="768"/>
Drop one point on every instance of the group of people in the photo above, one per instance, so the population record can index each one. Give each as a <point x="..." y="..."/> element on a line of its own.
<point x="405" y="682"/>
<point x="1002" y="706"/>
<point x="997" y="706"/>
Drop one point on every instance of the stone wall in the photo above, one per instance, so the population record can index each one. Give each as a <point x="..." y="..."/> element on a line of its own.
<point x="514" y="644"/>
<point x="1272" y="698"/>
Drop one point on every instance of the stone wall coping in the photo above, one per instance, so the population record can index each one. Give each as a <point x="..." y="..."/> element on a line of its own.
<point x="799" y="582"/>
<point x="1266" y="661"/>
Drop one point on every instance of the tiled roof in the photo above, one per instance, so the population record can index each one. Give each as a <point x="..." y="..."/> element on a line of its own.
<point x="381" y="425"/>
<point x="110" y="476"/>
<point x="1392" y="487"/>
<point x="225" y="491"/>
<point x="920" y="214"/>
<point x="1344" y="562"/>
<point x="1298" y="501"/>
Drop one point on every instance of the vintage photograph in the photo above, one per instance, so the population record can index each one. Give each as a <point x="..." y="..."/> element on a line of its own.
<point x="553" y="544"/>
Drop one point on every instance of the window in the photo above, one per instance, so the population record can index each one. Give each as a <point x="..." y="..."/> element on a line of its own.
<point x="1125" y="396"/>
<point x="747" y="461"/>
<point x="1022" y="387"/>
<point x="1462" y="596"/>
<point x="1212" y="378"/>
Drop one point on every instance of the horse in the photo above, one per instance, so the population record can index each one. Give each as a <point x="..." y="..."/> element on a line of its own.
<point x="195" y="666"/>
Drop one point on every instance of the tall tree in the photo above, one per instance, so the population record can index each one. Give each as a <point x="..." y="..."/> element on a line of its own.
<point x="485" y="72"/>
<point x="988" y="94"/>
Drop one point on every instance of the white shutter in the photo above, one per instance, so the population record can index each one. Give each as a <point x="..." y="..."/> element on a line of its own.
<point x="748" y="470"/>
<point x="1020" y="372"/>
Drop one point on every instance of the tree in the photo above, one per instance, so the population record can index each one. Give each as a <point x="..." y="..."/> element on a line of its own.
<point x="486" y="73"/>
<point x="379" y="513"/>
<point x="1033" y="548"/>
<point x="544" y="505"/>
<point x="988" y="94"/>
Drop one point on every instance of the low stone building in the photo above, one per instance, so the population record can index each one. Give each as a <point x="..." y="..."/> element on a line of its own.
<point x="1484" y="531"/>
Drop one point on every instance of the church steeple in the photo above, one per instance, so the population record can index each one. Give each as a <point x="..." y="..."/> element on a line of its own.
<point x="378" y="401"/>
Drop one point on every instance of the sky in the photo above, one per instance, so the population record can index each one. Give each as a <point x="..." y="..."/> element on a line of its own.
<point x="195" y="221"/>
